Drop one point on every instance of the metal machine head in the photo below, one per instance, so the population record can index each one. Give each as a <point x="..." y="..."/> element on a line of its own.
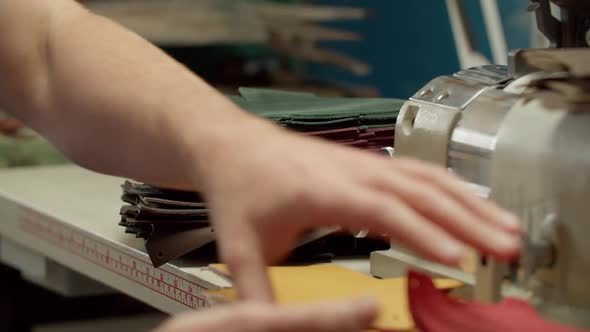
<point x="519" y="136"/>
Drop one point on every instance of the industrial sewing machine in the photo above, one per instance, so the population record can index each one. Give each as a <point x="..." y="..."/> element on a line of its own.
<point x="518" y="134"/>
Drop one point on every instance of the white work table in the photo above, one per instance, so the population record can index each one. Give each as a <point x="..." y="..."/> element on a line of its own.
<point x="69" y="215"/>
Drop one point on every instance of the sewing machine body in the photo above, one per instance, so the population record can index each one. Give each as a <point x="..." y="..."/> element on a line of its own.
<point x="518" y="134"/>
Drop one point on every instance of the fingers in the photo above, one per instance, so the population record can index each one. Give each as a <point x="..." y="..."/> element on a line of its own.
<point x="240" y="250"/>
<point x="350" y="316"/>
<point x="453" y="187"/>
<point x="453" y="215"/>
<point x="426" y="208"/>
<point x="387" y="214"/>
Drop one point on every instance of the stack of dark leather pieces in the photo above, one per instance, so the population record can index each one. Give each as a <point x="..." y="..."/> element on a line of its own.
<point x="365" y="138"/>
<point x="360" y="122"/>
<point x="174" y="222"/>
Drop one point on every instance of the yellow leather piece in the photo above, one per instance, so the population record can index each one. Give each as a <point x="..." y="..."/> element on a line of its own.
<point x="316" y="283"/>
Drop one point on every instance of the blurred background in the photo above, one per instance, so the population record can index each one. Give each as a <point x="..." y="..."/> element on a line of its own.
<point x="347" y="47"/>
<point x="344" y="48"/>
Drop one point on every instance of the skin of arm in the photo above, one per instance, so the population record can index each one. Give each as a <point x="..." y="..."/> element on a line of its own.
<point x="111" y="101"/>
<point x="114" y="103"/>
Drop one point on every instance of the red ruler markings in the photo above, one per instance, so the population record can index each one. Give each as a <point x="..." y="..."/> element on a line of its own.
<point x="138" y="270"/>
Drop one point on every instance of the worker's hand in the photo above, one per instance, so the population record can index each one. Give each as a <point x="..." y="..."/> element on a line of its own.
<point x="250" y="317"/>
<point x="265" y="190"/>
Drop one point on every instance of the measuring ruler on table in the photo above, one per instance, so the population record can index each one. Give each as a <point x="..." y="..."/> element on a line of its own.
<point x="124" y="268"/>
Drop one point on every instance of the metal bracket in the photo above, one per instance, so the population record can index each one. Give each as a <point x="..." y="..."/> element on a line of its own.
<point x="450" y="92"/>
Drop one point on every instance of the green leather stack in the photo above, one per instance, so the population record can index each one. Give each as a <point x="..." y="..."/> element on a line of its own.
<point x="361" y="122"/>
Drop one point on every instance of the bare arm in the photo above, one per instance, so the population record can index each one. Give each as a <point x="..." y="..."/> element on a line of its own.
<point x="107" y="98"/>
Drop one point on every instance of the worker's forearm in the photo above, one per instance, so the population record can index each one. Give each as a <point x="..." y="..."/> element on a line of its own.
<point x="115" y="103"/>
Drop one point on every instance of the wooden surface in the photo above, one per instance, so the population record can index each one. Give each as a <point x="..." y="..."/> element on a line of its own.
<point x="294" y="30"/>
<point x="199" y="22"/>
<point x="206" y="21"/>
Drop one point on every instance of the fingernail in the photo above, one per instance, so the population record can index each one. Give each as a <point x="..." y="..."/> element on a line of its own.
<point x="506" y="243"/>
<point x="511" y="221"/>
<point x="452" y="251"/>
<point x="366" y="306"/>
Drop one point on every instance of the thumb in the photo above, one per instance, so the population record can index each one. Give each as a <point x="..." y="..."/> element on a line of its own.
<point x="241" y="251"/>
<point x="349" y="316"/>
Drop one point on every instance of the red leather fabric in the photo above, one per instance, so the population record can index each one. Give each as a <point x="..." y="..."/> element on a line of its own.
<point x="434" y="311"/>
<point x="371" y="139"/>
